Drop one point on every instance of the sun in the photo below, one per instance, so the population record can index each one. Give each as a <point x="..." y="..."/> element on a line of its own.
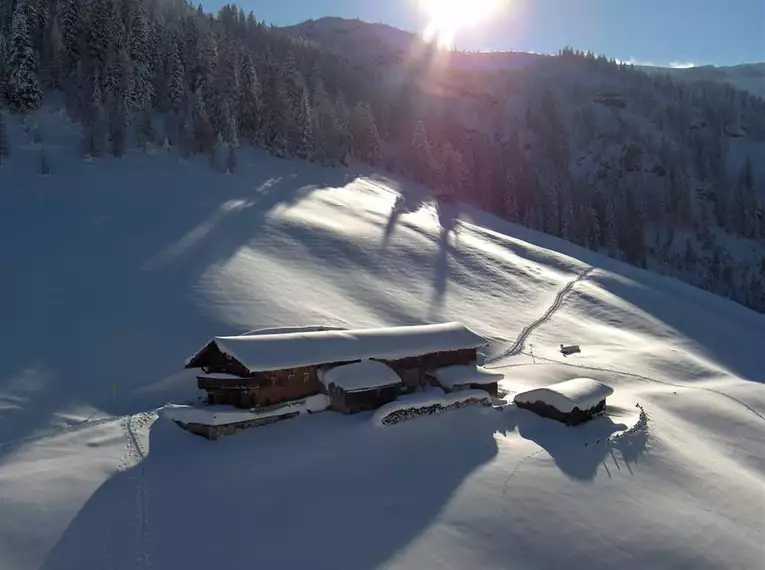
<point x="447" y="17"/>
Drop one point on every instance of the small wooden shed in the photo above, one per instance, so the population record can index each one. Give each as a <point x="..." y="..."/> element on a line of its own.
<point x="571" y="402"/>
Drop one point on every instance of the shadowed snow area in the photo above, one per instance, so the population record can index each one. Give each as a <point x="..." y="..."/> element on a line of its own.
<point x="115" y="272"/>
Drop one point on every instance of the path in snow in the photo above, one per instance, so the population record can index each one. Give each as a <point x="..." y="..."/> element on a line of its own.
<point x="517" y="346"/>
<point x="141" y="513"/>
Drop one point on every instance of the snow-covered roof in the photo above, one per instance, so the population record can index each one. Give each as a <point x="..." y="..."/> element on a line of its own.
<point x="462" y="374"/>
<point x="219" y="376"/>
<point x="582" y="393"/>
<point x="359" y="376"/>
<point x="264" y="352"/>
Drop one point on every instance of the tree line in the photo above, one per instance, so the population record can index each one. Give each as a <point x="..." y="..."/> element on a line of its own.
<point x="580" y="146"/>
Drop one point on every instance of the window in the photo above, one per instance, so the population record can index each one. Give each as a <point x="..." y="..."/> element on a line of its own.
<point x="306" y="377"/>
<point x="291" y="379"/>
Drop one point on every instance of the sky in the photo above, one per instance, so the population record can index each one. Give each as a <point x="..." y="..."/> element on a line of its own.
<point x="652" y="32"/>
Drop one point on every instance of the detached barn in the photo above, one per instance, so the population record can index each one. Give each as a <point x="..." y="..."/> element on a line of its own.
<point x="571" y="402"/>
<point x="265" y="369"/>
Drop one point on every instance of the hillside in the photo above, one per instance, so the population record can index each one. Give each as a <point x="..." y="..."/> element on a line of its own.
<point x="657" y="169"/>
<point x="653" y="170"/>
<point x="117" y="270"/>
<point x="746" y="77"/>
<point x="386" y="45"/>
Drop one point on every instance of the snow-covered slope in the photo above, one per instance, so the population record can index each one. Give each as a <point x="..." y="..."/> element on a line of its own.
<point x="746" y="77"/>
<point x="114" y="272"/>
<point x="386" y="44"/>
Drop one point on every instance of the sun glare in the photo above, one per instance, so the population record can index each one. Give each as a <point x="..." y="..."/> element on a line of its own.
<point x="446" y="17"/>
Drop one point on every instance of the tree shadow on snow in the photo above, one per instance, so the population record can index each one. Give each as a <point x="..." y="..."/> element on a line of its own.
<point x="407" y="202"/>
<point x="322" y="491"/>
<point x="448" y="221"/>
<point x="578" y="451"/>
<point x="107" y="270"/>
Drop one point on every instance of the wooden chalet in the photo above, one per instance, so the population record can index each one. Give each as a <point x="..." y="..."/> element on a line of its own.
<point x="264" y="369"/>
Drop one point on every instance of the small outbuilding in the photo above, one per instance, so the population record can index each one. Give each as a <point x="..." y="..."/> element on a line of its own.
<point x="571" y="402"/>
<point x="467" y="377"/>
<point x="359" y="386"/>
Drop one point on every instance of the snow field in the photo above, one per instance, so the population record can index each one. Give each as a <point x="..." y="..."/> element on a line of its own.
<point x="118" y="271"/>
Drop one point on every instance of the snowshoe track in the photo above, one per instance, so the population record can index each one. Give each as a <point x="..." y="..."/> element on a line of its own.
<point x="517" y="346"/>
<point x="137" y="454"/>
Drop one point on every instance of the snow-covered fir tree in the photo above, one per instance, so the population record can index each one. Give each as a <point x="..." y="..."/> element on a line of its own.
<point x="5" y="147"/>
<point x="276" y="110"/>
<point x="299" y="124"/>
<point x="24" y="92"/>
<point x="365" y="140"/>
<point x="249" y="100"/>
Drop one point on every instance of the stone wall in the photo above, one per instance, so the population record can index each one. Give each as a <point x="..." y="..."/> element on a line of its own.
<point x="432" y="410"/>
<point x="214" y="432"/>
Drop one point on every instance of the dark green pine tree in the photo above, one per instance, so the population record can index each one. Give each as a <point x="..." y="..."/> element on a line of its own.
<point x="70" y="19"/>
<point x="364" y="136"/>
<point x="141" y="88"/>
<point x="248" y="110"/>
<point x="5" y="147"/>
<point x="299" y="127"/>
<point x="24" y="84"/>
<point x="275" y="110"/>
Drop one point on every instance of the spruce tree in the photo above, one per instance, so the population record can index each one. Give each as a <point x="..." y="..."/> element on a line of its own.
<point x="177" y="91"/>
<point x="421" y="155"/>
<point x="276" y="113"/>
<point x="299" y="128"/>
<point x="24" y="83"/>
<point x="248" y="109"/>
<point x="231" y="159"/>
<point x="101" y="31"/>
<point x="5" y="147"/>
<point x="324" y="125"/>
<point x="364" y="136"/>
<point x="141" y="88"/>
<point x="342" y="146"/>
<point x="4" y="66"/>
<point x="452" y="171"/>
<point x="70" y="19"/>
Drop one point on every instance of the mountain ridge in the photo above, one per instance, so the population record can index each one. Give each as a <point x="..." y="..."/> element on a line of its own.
<point x="748" y="76"/>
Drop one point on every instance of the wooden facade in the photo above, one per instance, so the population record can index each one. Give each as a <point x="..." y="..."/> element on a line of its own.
<point x="414" y="371"/>
<point x="262" y="388"/>
<point x="229" y="382"/>
<point x="364" y="400"/>
<point x="575" y="417"/>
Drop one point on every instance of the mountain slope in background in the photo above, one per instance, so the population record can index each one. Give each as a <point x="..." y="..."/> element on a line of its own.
<point x="658" y="172"/>
<point x="353" y="38"/>
<point x="655" y="170"/>
<point x="118" y="270"/>
<point x="746" y="77"/>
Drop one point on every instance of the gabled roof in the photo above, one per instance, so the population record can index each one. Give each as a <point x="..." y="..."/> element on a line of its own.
<point x="265" y="352"/>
